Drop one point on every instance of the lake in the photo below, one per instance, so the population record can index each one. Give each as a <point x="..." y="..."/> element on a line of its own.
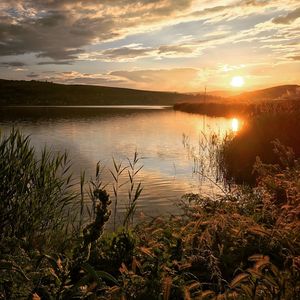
<point x="159" y="134"/>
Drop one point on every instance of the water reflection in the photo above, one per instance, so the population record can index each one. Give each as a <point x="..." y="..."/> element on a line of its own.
<point x="93" y="134"/>
<point x="235" y="125"/>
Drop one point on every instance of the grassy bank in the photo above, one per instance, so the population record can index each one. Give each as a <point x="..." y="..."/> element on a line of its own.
<point x="270" y="100"/>
<point x="231" y="108"/>
<point x="240" y="245"/>
<point x="263" y="123"/>
<point x="258" y="138"/>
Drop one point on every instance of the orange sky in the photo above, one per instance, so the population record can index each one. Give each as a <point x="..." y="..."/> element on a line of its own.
<point x="176" y="45"/>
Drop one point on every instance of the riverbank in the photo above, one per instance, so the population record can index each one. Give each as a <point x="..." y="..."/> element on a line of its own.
<point x="242" y="244"/>
<point x="264" y="122"/>
<point x="231" y="108"/>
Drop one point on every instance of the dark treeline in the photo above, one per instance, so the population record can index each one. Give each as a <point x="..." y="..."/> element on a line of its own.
<point x="14" y="92"/>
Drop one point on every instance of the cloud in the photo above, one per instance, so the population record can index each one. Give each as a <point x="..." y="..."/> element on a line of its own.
<point x="296" y="57"/>
<point x="56" y="62"/>
<point x="182" y="79"/>
<point x="289" y="18"/>
<point x="177" y="79"/>
<point x="56" y="34"/>
<point x="59" y="29"/>
<point x="134" y="52"/>
<point x="124" y="53"/>
<point x="152" y="43"/>
<point x="32" y="75"/>
<point x="174" y="49"/>
<point x="12" y="64"/>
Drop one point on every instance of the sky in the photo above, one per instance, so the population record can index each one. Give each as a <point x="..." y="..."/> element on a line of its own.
<point x="169" y="45"/>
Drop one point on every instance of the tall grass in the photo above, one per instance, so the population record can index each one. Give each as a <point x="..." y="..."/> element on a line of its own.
<point x="243" y="244"/>
<point x="35" y="190"/>
<point x="124" y="176"/>
<point x="233" y="108"/>
<point x="257" y="139"/>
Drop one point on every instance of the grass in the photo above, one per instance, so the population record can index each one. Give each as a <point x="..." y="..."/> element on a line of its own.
<point x="35" y="191"/>
<point x="264" y="122"/>
<point x="257" y="139"/>
<point x="237" y="108"/>
<point x="240" y="245"/>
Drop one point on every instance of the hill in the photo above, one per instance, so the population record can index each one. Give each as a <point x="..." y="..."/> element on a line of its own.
<point x="273" y="93"/>
<point x="255" y="102"/>
<point x="14" y="92"/>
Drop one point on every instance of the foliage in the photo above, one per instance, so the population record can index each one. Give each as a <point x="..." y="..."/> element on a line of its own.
<point x="272" y="100"/>
<point x="257" y="139"/>
<point x="35" y="191"/>
<point x="33" y="92"/>
<point x="240" y="245"/>
<point x="30" y="271"/>
<point x="244" y="245"/>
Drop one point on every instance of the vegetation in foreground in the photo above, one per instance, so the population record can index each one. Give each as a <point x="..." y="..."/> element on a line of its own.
<point x="264" y="122"/>
<point x="257" y="138"/>
<point x="240" y="245"/>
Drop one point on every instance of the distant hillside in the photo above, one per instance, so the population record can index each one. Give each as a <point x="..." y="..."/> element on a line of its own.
<point x="14" y="92"/>
<point x="254" y="103"/>
<point x="273" y="93"/>
<point x="224" y="93"/>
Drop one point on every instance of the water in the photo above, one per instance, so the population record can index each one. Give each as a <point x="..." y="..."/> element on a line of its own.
<point x="92" y="134"/>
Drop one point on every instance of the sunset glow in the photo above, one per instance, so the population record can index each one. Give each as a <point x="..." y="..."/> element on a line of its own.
<point x="164" y="45"/>
<point x="237" y="81"/>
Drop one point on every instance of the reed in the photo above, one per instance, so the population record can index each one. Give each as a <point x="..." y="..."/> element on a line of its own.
<point x="257" y="139"/>
<point x="35" y="191"/>
<point x="242" y="244"/>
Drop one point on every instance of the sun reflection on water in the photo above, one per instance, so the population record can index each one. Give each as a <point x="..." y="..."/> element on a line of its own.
<point x="235" y="125"/>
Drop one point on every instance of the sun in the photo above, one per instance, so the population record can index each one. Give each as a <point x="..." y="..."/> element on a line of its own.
<point x="237" y="81"/>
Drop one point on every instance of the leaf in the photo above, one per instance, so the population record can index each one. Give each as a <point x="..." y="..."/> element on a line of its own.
<point x="135" y="264"/>
<point x="257" y="257"/>
<point x="105" y="275"/>
<point x="113" y="175"/>
<point x="238" y="279"/>
<point x="8" y="265"/>
<point x="260" y="261"/>
<point x="92" y="273"/>
<point x="114" y="289"/>
<point x="187" y="295"/>
<point x="35" y="296"/>
<point x="184" y="266"/>
<point x="258" y="230"/>
<point x="207" y="294"/>
<point x="194" y="286"/>
<point x="55" y="263"/>
<point x="247" y="290"/>
<point x="123" y="268"/>
<point x="167" y="285"/>
<point x="146" y="251"/>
